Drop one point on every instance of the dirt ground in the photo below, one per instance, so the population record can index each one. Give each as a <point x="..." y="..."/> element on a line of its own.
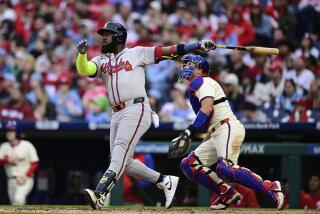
<point x="141" y="210"/>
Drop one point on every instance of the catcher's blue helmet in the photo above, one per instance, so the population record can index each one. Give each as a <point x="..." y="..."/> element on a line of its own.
<point x="189" y="63"/>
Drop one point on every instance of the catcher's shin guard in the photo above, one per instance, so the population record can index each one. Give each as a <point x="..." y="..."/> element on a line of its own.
<point x="241" y="175"/>
<point x="106" y="183"/>
<point x="193" y="169"/>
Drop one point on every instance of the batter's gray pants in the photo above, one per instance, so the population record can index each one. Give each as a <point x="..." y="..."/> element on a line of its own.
<point x="127" y="127"/>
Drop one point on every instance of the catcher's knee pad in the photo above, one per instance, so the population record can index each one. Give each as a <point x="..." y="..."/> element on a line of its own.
<point x="226" y="170"/>
<point x="106" y="183"/>
<point x="193" y="169"/>
<point x="186" y="165"/>
<point x="236" y="174"/>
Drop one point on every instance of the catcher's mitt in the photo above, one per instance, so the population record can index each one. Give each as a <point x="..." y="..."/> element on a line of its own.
<point x="180" y="146"/>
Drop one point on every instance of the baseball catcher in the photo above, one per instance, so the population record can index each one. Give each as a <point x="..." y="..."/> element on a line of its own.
<point x="216" y="159"/>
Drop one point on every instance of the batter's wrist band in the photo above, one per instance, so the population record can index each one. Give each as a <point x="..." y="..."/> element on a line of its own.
<point x="200" y="120"/>
<point x="183" y="49"/>
<point x="191" y="47"/>
<point x="180" y="49"/>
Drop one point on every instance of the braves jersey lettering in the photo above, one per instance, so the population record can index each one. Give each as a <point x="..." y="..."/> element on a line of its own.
<point x="124" y="73"/>
<point x="109" y="68"/>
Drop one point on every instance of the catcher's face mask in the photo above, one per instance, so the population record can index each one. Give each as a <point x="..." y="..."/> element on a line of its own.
<point x="188" y="66"/>
<point x="191" y="62"/>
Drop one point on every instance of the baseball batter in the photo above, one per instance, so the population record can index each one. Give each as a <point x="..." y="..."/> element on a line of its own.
<point x="20" y="160"/>
<point x="122" y="69"/>
<point x="215" y="160"/>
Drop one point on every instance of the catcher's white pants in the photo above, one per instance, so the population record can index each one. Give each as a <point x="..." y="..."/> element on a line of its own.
<point x="224" y="142"/>
<point x="19" y="192"/>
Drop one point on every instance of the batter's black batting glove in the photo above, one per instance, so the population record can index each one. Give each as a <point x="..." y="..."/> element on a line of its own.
<point x="207" y="45"/>
<point x="83" y="46"/>
<point x="180" y="146"/>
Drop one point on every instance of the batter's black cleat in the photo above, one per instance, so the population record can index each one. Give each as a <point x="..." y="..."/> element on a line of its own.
<point x="95" y="201"/>
<point x="169" y="186"/>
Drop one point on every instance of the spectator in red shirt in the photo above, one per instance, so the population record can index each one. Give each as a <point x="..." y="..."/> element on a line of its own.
<point x="241" y="27"/>
<point x="224" y="35"/>
<point x="313" y="98"/>
<point x="314" y="190"/>
<point x="308" y="51"/>
<point x="144" y="37"/>
<point x="300" y="114"/>
<point x="17" y="108"/>
<point x="305" y="198"/>
<point x="275" y="86"/>
<point x="248" y="197"/>
<point x="284" y="16"/>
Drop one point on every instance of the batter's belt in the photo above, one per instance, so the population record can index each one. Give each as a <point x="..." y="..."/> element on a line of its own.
<point x="122" y="105"/>
<point x="12" y="177"/>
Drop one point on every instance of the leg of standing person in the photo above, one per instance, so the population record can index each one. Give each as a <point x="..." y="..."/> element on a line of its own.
<point x="134" y="167"/>
<point x="11" y="186"/>
<point x="132" y="123"/>
<point x="228" y="139"/>
<point x="199" y="167"/>
<point x="22" y="191"/>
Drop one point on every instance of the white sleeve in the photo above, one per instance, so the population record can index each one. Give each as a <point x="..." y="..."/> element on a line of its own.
<point x="32" y="154"/>
<point x="2" y="153"/>
<point x="206" y="90"/>
<point x="144" y="55"/>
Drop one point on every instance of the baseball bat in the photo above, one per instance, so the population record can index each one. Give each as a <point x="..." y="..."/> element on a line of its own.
<point x="252" y="49"/>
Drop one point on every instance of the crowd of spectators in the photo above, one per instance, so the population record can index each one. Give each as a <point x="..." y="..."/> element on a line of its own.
<point x="38" y="79"/>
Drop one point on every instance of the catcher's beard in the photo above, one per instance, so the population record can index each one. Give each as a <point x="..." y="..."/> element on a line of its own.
<point x="108" y="47"/>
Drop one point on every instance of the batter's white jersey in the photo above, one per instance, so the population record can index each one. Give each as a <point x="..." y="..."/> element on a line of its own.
<point x="124" y="73"/>
<point x="221" y="111"/>
<point x="24" y="153"/>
